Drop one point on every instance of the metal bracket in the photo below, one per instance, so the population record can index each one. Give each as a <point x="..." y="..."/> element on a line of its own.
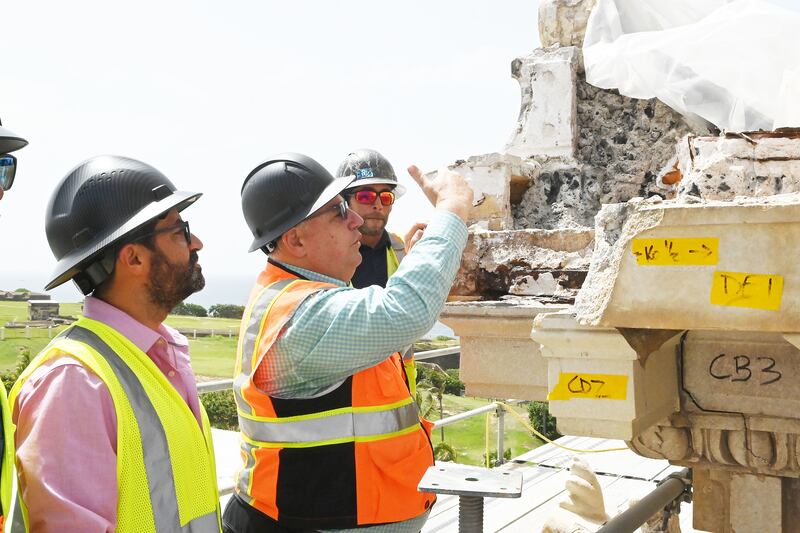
<point x="471" y="485"/>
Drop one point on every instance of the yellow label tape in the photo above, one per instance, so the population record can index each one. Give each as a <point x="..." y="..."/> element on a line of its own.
<point x="740" y="289"/>
<point x="676" y="252"/>
<point x="593" y="386"/>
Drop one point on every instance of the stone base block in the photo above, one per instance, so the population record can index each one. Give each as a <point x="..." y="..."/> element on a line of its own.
<point x="498" y="357"/>
<point x="599" y="385"/>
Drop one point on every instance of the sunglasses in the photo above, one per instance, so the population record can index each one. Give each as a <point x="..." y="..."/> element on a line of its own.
<point x="182" y="225"/>
<point x="341" y="211"/>
<point x="368" y="196"/>
<point x="8" y="169"/>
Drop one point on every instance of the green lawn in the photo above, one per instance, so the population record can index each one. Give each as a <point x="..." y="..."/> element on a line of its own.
<point x="467" y="437"/>
<point x="213" y="356"/>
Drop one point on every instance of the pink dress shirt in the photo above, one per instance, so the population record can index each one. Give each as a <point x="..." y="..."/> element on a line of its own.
<point x="66" y="434"/>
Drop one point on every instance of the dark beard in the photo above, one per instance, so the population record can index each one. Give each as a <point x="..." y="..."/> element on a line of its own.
<point x="369" y="231"/>
<point x="169" y="284"/>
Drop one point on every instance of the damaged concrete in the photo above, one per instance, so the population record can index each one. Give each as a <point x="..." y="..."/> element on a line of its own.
<point x="527" y="262"/>
<point x="497" y="180"/>
<point x="744" y="164"/>
<point x="547" y="120"/>
<point x="563" y="22"/>
<point x="623" y="147"/>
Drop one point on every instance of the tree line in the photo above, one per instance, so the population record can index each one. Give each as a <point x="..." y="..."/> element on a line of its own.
<point x="215" y="311"/>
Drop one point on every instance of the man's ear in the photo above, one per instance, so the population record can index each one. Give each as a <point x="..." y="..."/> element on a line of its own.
<point x="292" y="243"/>
<point x="132" y="259"/>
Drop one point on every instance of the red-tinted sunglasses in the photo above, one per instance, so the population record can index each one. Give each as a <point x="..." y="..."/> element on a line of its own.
<point x="368" y="196"/>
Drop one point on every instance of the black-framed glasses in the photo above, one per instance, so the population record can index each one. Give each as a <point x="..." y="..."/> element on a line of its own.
<point x="183" y="224"/>
<point x="341" y="208"/>
<point x="8" y="169"/>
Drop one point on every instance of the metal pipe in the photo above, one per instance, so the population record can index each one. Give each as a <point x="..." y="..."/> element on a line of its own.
<point x="501" y="416"/>
<point x="670" y="489"/>
<point x="461" y="416"/>
<point x="470" y="514"/>
<point x="430" y="354"/>
<point x="214" y="386"/>
<point x="222" y="384"/>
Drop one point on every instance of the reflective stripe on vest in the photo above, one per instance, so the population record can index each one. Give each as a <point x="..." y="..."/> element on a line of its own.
<point x="250" y="336"/>
<point x="395" y="253"/>
<point x="352" y="424"/>
<point x="351" y="456"/>
<point x="8" y="475"/>
<point x="157" y="460"/>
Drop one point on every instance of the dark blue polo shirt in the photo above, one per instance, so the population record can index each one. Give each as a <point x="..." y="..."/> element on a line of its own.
<point x="373" y="268"/>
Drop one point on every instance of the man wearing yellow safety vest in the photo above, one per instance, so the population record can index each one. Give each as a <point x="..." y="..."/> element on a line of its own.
<point x="331" y="438"/>
<point x="110" y="433"/>
<point x="9" y="142"/>
<point x="371" y="195"/>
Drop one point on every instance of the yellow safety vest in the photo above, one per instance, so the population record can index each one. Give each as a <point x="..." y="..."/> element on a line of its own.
<point x="8" y="476"/>
<point x="395" y="253"/>
<point x="165" y="463"/>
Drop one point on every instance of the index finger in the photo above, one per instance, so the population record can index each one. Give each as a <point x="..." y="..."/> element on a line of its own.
<point x="415" y="173"/>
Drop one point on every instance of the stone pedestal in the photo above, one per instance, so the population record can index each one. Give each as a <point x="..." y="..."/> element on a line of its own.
<point x="498" y="357"/>
<point x="601" y="386"/>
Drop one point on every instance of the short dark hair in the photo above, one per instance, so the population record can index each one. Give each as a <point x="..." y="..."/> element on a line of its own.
<point x="133" y="237"/>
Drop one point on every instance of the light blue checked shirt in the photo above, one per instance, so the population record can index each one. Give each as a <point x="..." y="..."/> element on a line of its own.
<point x="335" y="333"/>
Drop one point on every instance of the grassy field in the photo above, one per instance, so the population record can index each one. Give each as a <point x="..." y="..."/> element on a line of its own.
<point x="211" y="356"/>
<point x="468" y="437"/>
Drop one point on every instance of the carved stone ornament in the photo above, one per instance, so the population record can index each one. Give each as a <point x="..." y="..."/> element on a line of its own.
<point x="729" y="442"/>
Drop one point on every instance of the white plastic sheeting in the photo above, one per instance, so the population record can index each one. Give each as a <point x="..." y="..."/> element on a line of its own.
<point x="736" y="63"/>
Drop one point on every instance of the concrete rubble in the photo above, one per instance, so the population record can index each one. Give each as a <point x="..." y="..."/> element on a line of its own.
<point x="574" y="148"/>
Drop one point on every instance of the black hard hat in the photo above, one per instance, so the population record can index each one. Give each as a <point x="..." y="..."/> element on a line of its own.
<point x="10" y="141"/>
<point x="368" y="167"/>
<point x="282" y="192"/>
<point x="96" y="205"/>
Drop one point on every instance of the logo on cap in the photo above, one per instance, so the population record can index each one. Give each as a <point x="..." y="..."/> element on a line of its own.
<point x="364" y="173"/>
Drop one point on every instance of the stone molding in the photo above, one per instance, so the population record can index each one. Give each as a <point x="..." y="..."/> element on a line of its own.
<point x="766" y="445"/>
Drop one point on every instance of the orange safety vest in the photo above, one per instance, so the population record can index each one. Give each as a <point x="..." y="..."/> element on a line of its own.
<point x="348" y="458"/>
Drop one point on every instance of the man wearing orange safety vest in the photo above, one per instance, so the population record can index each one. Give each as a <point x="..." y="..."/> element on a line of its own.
<point x="371" y="195"/>
<point x="331" y="438"/>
